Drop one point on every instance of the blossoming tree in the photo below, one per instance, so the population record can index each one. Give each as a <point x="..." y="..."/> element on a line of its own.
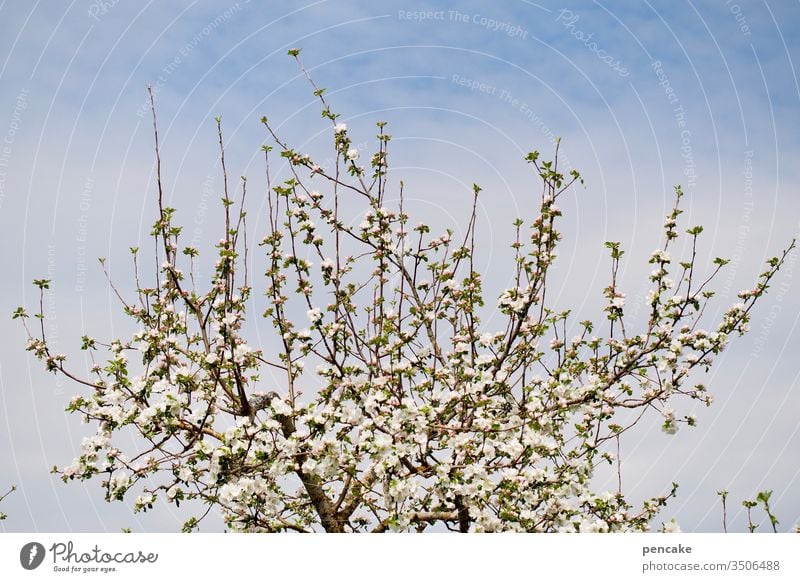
<point x="395" y="407"/>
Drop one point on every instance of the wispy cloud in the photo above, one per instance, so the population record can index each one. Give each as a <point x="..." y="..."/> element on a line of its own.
<point x="468" y="87"/>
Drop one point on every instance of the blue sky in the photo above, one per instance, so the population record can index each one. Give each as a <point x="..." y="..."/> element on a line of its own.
<point x="468" y="88"/>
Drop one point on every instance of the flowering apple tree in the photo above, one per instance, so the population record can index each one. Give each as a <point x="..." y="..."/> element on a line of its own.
<point x="381" y="402"/>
